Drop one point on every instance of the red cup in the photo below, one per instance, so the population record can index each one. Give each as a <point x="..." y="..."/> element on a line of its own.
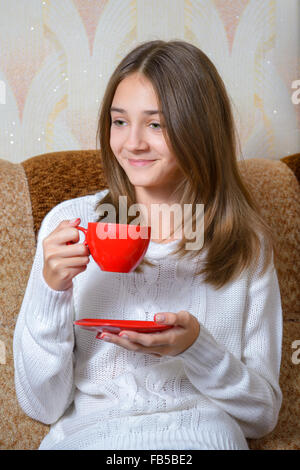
<point x="117" y="247"/>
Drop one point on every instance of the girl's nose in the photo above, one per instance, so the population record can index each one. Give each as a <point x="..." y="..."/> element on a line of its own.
<point x="136" y="140"/>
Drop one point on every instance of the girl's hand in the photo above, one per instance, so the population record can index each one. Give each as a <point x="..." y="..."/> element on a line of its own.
<point x="62" y="262"/>
<point x="166" y="343"/>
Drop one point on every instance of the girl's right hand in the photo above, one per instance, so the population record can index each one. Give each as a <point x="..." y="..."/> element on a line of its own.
<point x="64" y="261"/>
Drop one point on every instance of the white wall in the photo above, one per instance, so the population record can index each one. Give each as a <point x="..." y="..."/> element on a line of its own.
<point x="57" y="55"/>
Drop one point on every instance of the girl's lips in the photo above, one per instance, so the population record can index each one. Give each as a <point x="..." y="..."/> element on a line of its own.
<point x="140" y="162"/>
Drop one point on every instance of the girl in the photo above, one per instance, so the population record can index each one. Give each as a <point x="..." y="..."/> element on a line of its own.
<point x="210" y="382"/>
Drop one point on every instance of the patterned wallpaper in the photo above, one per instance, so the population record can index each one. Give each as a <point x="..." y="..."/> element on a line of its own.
<point x="56" y="57"/>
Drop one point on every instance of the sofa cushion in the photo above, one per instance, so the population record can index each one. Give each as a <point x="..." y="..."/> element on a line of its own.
<point x="277" y="193"/>
<point x="55" y="177"/>
<point x="17" y="241"/>
<point x="293" y="162"/>
<point x="286" y="435"/>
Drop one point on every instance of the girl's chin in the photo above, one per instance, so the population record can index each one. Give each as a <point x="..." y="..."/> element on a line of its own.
<point x="142" y="179"/>
<point x="142" y="184"/>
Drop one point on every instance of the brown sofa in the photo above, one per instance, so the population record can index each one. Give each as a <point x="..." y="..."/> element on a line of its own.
<point x="30" y="189"/>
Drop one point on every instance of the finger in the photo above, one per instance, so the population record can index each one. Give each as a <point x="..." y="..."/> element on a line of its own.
<point x="67" y="223"/>
<point x="118" y="340"/>
<point x="132" y="346"/>
<point x="148" y="339"/>
<point x="74" y="271"/>
<point x="62" y="267"/>
<point x="77" y="261"/>
<point x="167" y="318"/>
<point x="183" y="319"/>
<point x="70" y="251"/>
<point x="154" y="340"/>
<point x="64" y="235"/>
<point x="69" y="273"/>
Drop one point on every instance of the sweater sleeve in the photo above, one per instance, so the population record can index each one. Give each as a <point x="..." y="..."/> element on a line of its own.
<point x="247" y="388"/>
<point x="44" y="341"/>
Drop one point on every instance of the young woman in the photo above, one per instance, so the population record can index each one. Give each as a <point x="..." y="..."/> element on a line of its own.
<point x="210" y="382"/>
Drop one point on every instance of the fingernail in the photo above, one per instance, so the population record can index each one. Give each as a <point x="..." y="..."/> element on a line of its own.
<point x="105" y="337"/>
<point x="74" y="221"/>
<point x="124" y="336"/>
<point x="160" y="318"/>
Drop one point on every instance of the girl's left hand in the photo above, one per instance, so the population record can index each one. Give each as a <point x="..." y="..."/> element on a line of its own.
<point x="166" y="343"/>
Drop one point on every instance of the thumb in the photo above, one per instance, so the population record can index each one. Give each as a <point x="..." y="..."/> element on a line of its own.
<point x="167" y="318"/>
<point x="183" y="318"/>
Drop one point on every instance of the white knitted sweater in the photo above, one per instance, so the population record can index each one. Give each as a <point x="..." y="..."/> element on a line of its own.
<point x="96" y="395"/>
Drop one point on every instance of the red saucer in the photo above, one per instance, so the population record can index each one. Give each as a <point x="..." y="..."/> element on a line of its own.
<point x="115" y="326"/>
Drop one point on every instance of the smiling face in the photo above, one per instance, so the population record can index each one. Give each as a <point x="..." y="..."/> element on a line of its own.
<point x="137" y="139"/>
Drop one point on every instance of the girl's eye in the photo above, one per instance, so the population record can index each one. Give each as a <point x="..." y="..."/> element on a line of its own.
<point x="155" y="124"/>
<point x="119" y="122"/>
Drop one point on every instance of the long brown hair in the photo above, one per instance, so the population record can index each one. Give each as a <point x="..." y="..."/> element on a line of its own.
<point x="200" y="130"/>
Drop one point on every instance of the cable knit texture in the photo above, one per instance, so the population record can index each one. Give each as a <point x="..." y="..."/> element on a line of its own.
<point x="96" y="395"/>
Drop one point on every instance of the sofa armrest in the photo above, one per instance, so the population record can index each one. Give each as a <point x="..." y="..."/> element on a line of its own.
<point x="17" y="241"/>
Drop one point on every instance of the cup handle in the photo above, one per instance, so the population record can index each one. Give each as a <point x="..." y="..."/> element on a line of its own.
<point x="84" y="230"/>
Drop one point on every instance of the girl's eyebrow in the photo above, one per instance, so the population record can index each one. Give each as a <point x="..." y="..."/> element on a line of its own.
<point x="148" y="111"/>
